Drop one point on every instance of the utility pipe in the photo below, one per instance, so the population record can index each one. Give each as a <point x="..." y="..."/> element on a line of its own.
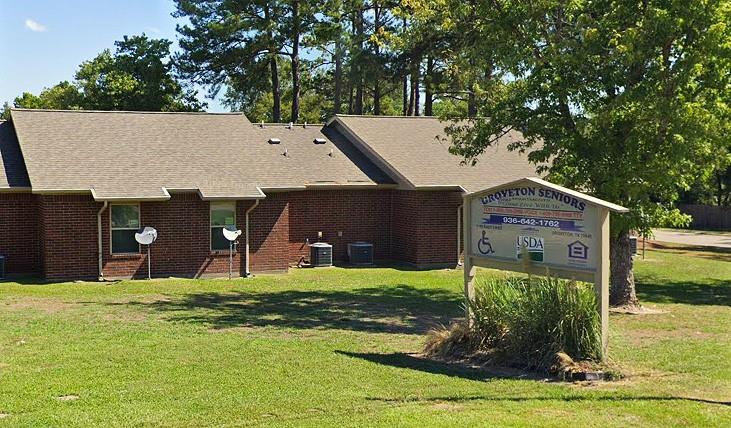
<point x="99" y="238"/>
<point x="251" y="208"/>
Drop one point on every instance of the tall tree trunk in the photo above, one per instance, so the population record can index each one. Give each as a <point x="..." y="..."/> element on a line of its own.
<point x="377" y="98"/>
<point x="296" y="23"/>
<point x="622" y="288"/>
<point x="410" y="111"/>
<point x="405" y="81"/>
<point x="274" y="69"/>
<point x="337" y="97"/>
<point x="429" y="87"/>
<point x="358" y="58"/>
<point x="276" y="93"/>
<point x="405" y="92"/>
<point x="377" y="10"/>
<point x="471" y="102"/>
<point x="350" y="97"/>
<point x="414" y="102"/>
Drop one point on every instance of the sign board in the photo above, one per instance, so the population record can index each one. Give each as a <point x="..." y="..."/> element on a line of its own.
<point x="552" y="228"/>
<point x="537" y="227"/>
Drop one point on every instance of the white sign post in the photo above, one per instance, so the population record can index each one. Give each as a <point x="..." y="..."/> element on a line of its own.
<point x="536" y="227"/>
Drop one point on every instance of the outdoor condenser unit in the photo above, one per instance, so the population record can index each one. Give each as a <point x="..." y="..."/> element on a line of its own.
<point x="321" y="254"/>
<point x="360" y="253"/>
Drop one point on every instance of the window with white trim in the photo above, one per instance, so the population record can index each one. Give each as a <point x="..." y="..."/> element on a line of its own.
<point x="125" y="222"/>
<point x="223" y="214"/>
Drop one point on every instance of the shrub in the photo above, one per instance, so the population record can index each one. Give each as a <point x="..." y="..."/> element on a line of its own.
<point x="525" y="321"/>
<point x="529" y="320"/>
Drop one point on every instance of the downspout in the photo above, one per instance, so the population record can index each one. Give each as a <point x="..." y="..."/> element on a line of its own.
<point x="247" y="273"/>
<point x="459" y="233"/>
<point x="99" y="238"/>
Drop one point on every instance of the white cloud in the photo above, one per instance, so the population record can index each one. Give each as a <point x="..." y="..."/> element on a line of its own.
<point x="34" y="26"/>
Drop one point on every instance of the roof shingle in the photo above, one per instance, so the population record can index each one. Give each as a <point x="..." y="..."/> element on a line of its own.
<point x="136" y="154"/>
<point x="415" y="150"/>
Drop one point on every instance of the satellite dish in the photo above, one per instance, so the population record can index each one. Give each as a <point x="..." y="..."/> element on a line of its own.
<point x="231" y="233"/>
<point x="147" y="236"/>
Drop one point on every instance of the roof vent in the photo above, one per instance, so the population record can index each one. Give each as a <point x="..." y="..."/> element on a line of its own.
<point x="285" y="154"/>
<point x="332" y="153"/>
<point x="274" y="141"/>
<point x="319" y="141"/>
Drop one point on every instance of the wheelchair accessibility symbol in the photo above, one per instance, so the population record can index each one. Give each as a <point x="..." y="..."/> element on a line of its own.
<point x="484" y="246"/>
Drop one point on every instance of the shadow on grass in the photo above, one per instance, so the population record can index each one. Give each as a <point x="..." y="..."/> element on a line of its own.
<point x="385" y="309"/>
<point x="407" y="361"/>
<point x="484" y="374"/>
<point x="586" y="398"/>
<point x="708" y="292"/>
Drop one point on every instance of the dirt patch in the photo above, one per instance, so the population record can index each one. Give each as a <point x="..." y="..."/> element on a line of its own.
<point x="50" y="306"/>
<point x="70" y="397"/>
<point x="637" y="337"/>
<point x="4" y="415"/>
<point x="125" y="316"/>
<point x="142" y="299"/>
<point x="636" y="310"/>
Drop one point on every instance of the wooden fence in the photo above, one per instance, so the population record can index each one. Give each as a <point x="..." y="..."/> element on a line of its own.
<point x="708" y="216"/>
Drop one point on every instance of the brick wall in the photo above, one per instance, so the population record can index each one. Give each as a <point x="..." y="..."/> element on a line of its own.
<point x="409" y="226"/>
<point x="68" y="232"/>
<point x="359" y="215"/>
<point x="183" y="247"/>
<point x="424" y="225"/>
<point x="19" y="237"/>
<point x="269" y="233"/>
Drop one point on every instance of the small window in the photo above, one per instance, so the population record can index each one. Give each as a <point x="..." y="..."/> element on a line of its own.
<point x="222" y="214"/>
<point x="125" y="223"/>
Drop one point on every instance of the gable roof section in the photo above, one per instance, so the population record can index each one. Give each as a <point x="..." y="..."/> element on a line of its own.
<point x="139" y="155"/>
<point x="537" y="181"/>
<point x="13" y="175"/>
<point x="414" y="151"/>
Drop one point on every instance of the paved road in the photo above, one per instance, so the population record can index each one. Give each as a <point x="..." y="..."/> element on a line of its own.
<point x="694" y="237"/>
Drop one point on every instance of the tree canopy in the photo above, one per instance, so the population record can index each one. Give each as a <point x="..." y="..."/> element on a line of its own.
<point x="620" y="99"/>
<point x="137" y="76"/>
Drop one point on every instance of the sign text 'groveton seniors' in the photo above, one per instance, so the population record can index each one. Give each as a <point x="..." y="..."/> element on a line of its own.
<point x="548" y="226"/>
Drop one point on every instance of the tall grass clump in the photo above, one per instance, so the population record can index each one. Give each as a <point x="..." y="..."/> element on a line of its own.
<point x="529" y="320"/>
<point x="525" y="322"/>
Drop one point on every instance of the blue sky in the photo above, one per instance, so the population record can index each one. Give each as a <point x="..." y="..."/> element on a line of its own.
<point x="42" y="42"/>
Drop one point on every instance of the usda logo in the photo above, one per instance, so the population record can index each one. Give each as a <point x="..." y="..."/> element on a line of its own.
<point x="533" y="245"/>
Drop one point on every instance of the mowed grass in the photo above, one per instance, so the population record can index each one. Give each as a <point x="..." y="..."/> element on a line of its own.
<point x="337" y="347"/>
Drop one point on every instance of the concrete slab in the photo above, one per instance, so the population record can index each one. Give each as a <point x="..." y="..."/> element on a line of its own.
<point x="694" y="237"/>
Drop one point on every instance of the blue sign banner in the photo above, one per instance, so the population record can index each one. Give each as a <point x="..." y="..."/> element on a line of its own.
<point x="567" y="225"/>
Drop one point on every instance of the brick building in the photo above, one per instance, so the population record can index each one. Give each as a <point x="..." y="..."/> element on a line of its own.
<point x="76" y="185"/>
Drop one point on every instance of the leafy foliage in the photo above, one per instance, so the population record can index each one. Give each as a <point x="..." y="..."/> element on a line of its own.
<point x="137" y="76"/>
<point x="622" y="100"/>
<point x="527" y="321"/>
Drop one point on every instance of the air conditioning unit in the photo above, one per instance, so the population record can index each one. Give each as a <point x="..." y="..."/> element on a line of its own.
<point x="321" y="254"/>
<point x="360" y="253"/>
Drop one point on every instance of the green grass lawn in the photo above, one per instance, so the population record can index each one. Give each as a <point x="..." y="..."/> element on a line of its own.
<point x="333" y="348"/>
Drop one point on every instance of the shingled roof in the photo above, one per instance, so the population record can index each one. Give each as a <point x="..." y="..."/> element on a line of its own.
<point x="140" y="155"/>
<point x="13" y="175"/>
<point x="415" y="152"/>
<point x="144" y="156"/>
